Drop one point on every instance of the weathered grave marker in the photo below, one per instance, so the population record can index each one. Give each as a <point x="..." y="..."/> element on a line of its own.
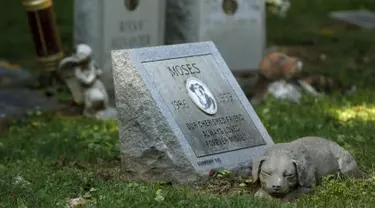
<point x="364" y="19"/>
<point x="181" y="112"/>
<point x="237" y="27"/>
<point x="117" y="24"/>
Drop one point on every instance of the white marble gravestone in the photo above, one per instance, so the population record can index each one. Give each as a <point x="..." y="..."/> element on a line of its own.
<point x="182" y="113"/>
<point x="109" y="25"/>
<point x="239" y="36"/>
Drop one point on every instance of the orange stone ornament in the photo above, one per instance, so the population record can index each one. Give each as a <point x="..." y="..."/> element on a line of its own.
<point x="277" y="65"/>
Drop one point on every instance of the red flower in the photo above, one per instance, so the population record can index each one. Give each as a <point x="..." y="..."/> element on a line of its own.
<point x="212" y="172"/>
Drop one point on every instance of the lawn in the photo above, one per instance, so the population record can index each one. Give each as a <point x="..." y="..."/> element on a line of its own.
<point x="47" y="159"/>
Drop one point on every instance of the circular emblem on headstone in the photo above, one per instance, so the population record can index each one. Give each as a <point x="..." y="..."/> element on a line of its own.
<point x="201" y="95"/>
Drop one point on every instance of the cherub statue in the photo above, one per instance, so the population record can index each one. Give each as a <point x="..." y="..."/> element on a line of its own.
<point x="81" y="74"/>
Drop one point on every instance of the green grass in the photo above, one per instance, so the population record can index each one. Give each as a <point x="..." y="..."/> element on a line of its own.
<point x="64" y="157"/>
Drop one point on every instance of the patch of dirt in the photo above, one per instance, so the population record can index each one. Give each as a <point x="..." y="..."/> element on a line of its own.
<point x="4" y="124"/>
<point x="228" y="185"/>
<point x="110" y="170"/>
<point x="70" y="109"/>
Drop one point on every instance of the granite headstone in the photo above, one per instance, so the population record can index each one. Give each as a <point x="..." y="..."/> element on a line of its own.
<point x="237" y="27"/>
<point x="117" y="24"/>
<point x="182" y="113"/>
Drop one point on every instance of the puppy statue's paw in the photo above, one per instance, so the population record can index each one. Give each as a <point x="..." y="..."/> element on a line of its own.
<point x="261" y="193"/>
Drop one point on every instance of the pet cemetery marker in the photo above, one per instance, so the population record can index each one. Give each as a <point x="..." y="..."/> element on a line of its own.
<point x="117" y="24"/>
<point x="182" y="113"/>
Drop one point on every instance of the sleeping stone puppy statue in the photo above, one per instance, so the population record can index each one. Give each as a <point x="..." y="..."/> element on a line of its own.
<point x="288" y="170"/>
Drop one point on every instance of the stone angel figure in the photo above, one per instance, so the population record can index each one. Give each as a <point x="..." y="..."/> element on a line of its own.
<point x="81" y="74"/>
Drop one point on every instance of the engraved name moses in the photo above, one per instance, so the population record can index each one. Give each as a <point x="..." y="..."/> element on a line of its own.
<point x="197" y="97"/>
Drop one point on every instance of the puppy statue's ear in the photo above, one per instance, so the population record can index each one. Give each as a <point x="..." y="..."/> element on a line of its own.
<point x="305" y="172"/>
<point x="257" y="163"/>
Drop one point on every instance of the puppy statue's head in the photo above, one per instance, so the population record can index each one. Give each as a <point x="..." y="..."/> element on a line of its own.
<point x="278" y="175"/>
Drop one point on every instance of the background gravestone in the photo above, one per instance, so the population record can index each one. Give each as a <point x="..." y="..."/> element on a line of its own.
<point x="365" y="19"/>
<point x="181" y="113"/>
<point x="109" y="25"/>
<point x="239" y="34"/>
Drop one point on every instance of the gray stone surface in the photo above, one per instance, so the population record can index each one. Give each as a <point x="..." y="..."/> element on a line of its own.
<point x="109" y="25"/>
<point x="12" y="76"/>
<point x="240" y="37"/>
<point x="162" y="140"/>
<point x="16" y="102"/>
<point x="364" y="19"/>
